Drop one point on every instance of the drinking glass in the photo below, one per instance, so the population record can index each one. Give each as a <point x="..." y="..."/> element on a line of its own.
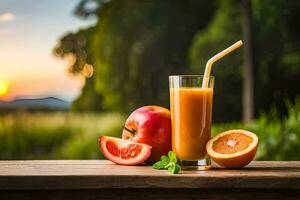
<point x="191" y="115"/>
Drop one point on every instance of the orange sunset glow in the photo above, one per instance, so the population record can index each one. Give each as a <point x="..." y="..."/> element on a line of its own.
<point x="3" y="88"/>
<point x="28" y="33"/>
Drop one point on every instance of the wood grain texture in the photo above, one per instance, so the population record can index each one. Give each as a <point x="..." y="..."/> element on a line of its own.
<point x="100" y="174"/>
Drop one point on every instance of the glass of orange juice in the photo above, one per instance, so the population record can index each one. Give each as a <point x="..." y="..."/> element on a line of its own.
<point x="191" y="114"/>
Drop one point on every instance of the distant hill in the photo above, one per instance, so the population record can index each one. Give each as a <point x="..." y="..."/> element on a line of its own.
<point x="48" y="103"/>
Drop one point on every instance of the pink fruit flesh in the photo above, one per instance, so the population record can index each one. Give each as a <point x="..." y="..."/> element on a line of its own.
<point x="124" y="152"/>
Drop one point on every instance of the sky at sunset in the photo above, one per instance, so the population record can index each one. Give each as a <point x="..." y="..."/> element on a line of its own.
<point x="29" y="29"/>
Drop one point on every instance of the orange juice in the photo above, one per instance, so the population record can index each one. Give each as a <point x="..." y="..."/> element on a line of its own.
<point x="191" y="113"/>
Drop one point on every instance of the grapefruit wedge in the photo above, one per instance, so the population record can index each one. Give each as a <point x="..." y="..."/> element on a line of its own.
<point x="233" y="149"/>
<point x="124" y="152"/>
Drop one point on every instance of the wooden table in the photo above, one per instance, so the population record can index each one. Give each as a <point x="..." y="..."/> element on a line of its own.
<point x="97" y="179"/>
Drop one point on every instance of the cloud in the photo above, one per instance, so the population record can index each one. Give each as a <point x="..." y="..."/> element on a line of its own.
<point x="7" y="16"/>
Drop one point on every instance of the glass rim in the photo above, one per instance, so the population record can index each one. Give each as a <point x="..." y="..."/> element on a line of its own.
<point x="189" y="76"/>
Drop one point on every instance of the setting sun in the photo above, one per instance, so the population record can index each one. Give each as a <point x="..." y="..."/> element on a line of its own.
<point x="3" y="88"/>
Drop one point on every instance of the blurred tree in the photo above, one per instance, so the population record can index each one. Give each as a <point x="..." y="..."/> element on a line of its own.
<point x="74" y="48"/>
<point x="136" y="45"/>
<point x="276" y="51"/>
<point x="276" y="54"/>
<point x="223" y="30"/>
<point x="248" y="92"/>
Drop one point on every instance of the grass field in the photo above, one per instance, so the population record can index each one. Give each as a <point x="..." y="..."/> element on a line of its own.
<point x="55" y="135"/>
<point x="75" y="136"/>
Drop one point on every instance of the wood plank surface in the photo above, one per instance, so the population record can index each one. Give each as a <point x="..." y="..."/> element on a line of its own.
<point x="100" y="174"/>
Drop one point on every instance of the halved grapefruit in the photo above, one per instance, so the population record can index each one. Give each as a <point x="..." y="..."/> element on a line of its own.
<point x="233" y="149"/>
<point x="124" y="152"/>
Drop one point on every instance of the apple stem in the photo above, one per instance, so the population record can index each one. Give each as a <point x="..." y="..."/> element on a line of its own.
<point x="130" y="131"/>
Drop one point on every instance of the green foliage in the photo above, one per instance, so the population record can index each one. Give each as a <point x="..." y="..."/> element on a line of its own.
<point x="56" y="135"/>
<point x="276" y="54"/>
<point x="73" y="47"/>
<point x="281" y="136"/>
<point x="276" y="24"/>
<point x="21" y="137"/>
<point x="136" y="45"/>
<point x="223" y="30"/>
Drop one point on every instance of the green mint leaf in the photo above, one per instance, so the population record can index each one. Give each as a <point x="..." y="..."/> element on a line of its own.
<point x="172" y="167"/>
<point x="165" y="159"/>
<point x="177" y="169"/>
<point x="168" y="165"/>
<point x="172" y="156"/>
<point x="160" y="165"/>
<point x="168" y="162"/>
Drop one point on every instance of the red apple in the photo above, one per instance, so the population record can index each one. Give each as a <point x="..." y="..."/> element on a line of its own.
<point x="150" y="125"/>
